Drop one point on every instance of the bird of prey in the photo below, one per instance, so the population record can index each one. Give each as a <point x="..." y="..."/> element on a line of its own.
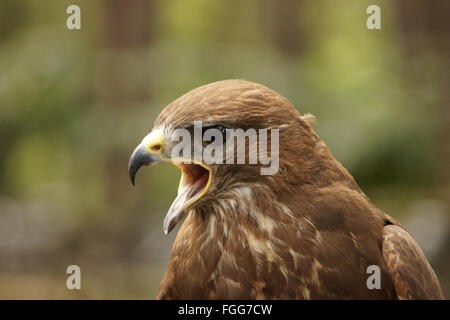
<point x="305" y="232"/>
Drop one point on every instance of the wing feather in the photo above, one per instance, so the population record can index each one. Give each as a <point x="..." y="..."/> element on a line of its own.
<point x="412" y="274"/>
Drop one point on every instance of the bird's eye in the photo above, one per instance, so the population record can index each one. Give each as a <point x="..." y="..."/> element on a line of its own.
<point x="223" y="130"/>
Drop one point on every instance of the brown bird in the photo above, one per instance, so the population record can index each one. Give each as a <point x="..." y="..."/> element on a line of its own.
<point x="306" y="232"/>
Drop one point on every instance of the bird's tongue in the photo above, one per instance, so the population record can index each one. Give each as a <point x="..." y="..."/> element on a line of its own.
<point x="185" y="193"/>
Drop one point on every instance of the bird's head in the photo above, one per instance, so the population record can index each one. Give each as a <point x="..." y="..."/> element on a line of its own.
<point x="225" y="106"/>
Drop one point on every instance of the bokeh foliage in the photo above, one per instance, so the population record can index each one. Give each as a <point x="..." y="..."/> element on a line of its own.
<point x="73" y="104"/>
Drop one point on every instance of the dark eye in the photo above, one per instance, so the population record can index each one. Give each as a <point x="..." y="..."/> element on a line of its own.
<point x="222" y="129"/>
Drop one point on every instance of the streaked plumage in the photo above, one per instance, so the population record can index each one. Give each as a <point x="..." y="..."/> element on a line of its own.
<point x="307" y="232"/>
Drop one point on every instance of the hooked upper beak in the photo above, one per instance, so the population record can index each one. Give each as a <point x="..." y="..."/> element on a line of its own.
<point x="195" y="178"/>
<point x="146" y="153"/>
<point x="139" y="158"/>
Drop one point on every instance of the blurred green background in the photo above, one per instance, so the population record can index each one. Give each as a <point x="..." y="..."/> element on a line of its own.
<point x="74" y="104"/>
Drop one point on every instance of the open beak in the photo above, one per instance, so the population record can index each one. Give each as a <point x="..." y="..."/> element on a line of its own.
<point x="194" y="182"/>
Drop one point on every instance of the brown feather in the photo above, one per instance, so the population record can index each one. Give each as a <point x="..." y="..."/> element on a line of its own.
<point x="412" y="274"/>
<point x="308" y="232"/>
